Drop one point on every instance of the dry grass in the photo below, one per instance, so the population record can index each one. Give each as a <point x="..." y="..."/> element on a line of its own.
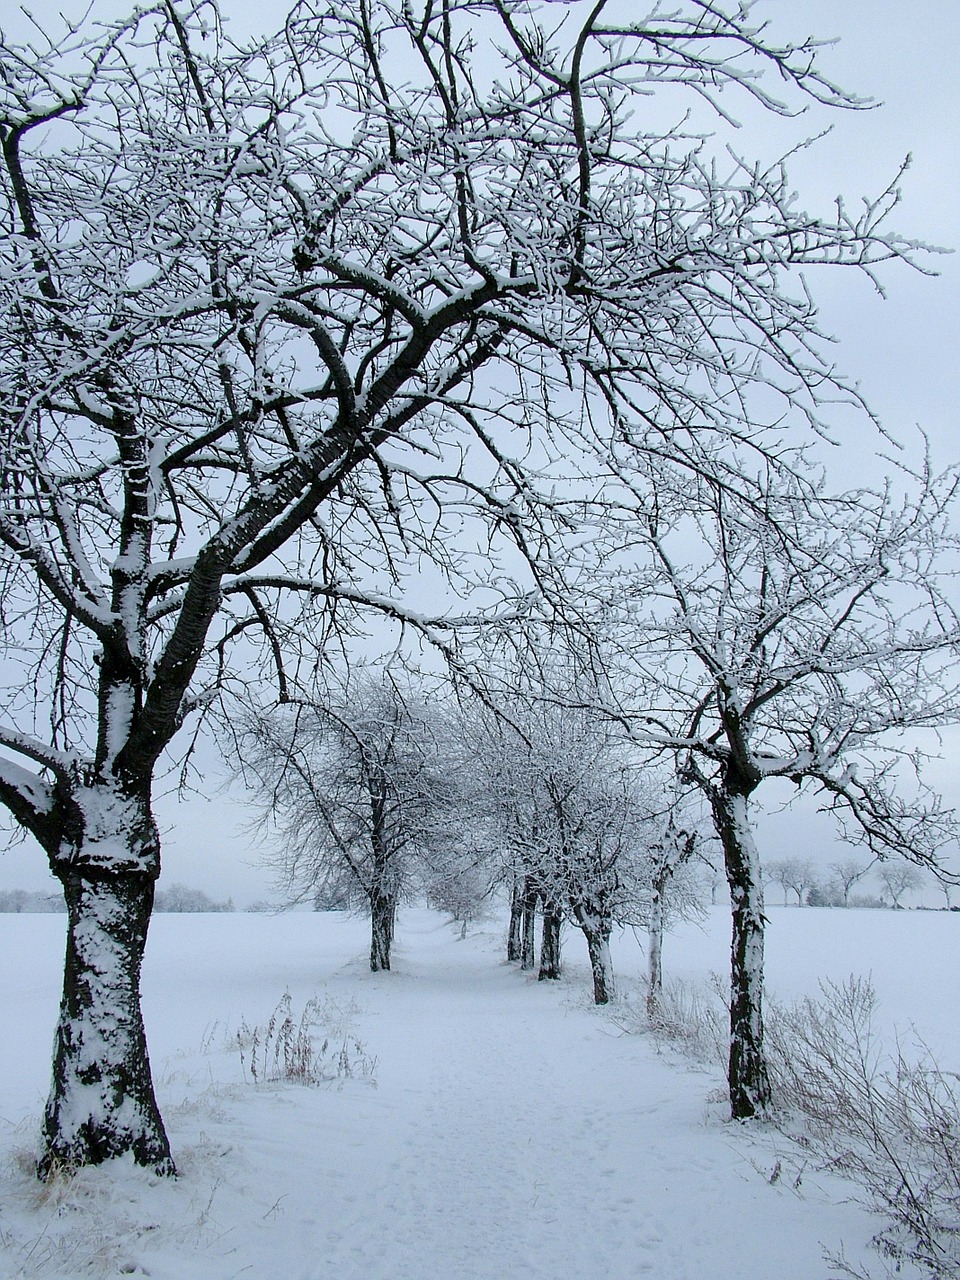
<point x="887" y="1120"/>
<point x="312" y="1049"/>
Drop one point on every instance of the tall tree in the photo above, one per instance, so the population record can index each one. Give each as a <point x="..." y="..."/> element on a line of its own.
<point x="285" y="320"/>
<point x="360" y="788"/>
<point x="672" y="888"/>
<point x="566" y="793"/>
<point x="789" y="637"/>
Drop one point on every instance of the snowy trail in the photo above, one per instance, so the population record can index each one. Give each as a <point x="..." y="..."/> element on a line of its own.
<point x="513" y="1132"/>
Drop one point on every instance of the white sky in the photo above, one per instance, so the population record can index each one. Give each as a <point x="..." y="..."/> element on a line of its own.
<point x="904" y="350"/>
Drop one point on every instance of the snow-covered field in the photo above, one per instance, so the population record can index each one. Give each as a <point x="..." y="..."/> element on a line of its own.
<point x="512" y="1130"/>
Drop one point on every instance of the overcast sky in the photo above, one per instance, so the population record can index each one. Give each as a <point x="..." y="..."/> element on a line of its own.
<point x="903" y="349"/>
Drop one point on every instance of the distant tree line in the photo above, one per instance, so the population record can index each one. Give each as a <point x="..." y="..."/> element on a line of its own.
<point x="806" y="884"/>
<point x="17" y="901"/>
<point x="177" y="898"/>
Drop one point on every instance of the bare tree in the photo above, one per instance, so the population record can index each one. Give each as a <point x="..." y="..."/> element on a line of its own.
<point x="672" y="890"/>
<point x="797" y="875"/>
<point x="847" y="872"/>
<point x="899" y="877"/>
<point x="278" y="322"/>
<point x="571" y="811"/>
<point x="360" y="788"/>
<point x="714" y="878"/>
<point x="782" y="638"/>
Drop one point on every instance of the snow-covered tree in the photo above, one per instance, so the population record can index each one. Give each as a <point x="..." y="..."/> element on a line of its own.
<point x="671" y="849"/>
<point x="899" y="877"/>
<point x="571" y="809"/>
<point x="788" y="637"/>
<point x="283" y="323"/>
<point x="361" y="790"/>
<point x="793" y="875"/>
<point x="847" y="872"/>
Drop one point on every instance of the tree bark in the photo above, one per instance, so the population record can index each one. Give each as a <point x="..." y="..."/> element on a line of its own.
<point x="528" y="947"/>
<point x="598" y="947"/>
<point x="550" y="942"/>
<point x="747" y="1073"/>
<point x="655" y="954"/>
<point x="383" y="910"/>
<point x="515" y="932"/>
<point x="596" y="926"/>
<point x="102" y="1102"/>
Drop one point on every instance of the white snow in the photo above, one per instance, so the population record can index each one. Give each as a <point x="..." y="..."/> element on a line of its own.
<point x="513" y="1130"/>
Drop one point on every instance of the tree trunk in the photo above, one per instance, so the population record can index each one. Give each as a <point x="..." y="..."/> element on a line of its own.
<point x="550" y="942"/>
<point x="383" y="909"/>
<point x="102" y="1102"/>
<point x="528" y="947"/>
<point x="654" y="955"/>
<point x="598" y="947"/>
<point x="747" y="1073"/>
<point x="515" y="932"/>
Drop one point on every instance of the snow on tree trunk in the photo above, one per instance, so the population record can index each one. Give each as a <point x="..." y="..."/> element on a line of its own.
<point x="550" y="942"/>
<point x="596" y="926"/>
<point x="102" y="1102"/>
<point x="598" y="947"/>
<point x="747" y="1073"/>
<point x="654" y="955"/>
<point x="383" y="909"/>
<point x="528" y="949"/>
<point x="515" y="932"/>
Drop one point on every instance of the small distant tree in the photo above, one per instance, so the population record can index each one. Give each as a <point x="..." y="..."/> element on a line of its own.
<point x="354" y="785"/>
<point x="458" y="866"/>
<point x="713" y="878"/>
<point x="462" y="888"/>
<point x="670" y="853"/>
<point x="846" y="873"/>
<point x="825" y="895"/>
<point x="794" y="875"/>
<point x="899" y="878"/>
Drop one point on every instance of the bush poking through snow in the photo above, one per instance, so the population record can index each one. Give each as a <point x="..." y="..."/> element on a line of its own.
<point x="286" y="1050"/>
<point x="692" y="1018"/>
<point x="890" y="1123"/>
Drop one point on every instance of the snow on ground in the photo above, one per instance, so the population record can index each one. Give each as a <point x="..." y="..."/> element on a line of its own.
<point x="513" y="1130"/>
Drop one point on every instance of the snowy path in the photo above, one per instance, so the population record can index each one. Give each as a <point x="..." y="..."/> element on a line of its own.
<point x="513" y="1132"/>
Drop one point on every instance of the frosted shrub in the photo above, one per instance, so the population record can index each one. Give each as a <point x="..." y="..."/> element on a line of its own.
<point x="692" y="1017"/>
<point x="313" y="1049"/>
<point x="889" y="1123"/>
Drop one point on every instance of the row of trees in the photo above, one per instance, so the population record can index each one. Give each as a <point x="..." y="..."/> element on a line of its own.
<point x="845" y="881"/>
<point x="381" y="793"/>
<point x="178" y="898"/>
<point x="412" y="293"/>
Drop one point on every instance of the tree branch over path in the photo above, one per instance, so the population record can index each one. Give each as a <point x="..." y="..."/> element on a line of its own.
<point x="361" y="300"/>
